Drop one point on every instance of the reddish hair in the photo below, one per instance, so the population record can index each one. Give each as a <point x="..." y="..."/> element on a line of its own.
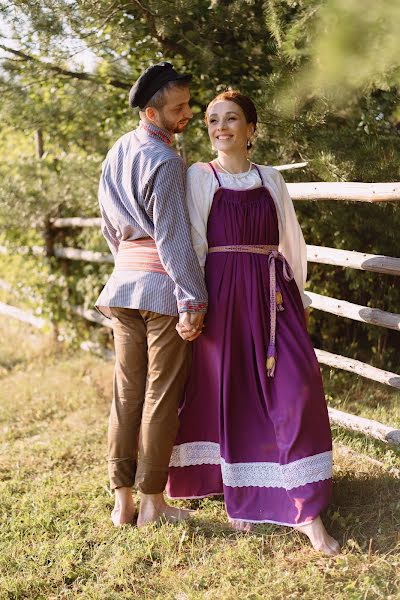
<point x="245" y="103"/>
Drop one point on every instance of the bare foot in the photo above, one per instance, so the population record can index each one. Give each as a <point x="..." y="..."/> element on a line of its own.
<point x="154" y="509"/>
<point x="240" y="525"/>
<point x="124" y="510"/>
<point x="319" y="537"/>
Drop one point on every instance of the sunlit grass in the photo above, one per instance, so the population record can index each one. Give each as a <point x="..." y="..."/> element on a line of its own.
<point x="56" y="540"/>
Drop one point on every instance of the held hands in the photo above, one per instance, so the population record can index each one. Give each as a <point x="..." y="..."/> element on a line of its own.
<point x="190" y="325"/>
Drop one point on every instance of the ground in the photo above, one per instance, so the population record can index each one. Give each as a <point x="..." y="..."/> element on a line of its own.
<point x="56" y="538"/>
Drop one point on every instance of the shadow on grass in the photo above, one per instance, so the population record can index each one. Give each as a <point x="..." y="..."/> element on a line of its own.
<point x="364" y="509"/>
<point x="8" y="364"/>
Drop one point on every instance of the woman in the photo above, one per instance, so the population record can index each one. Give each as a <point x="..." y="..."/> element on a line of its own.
<point x="254" y="423"/>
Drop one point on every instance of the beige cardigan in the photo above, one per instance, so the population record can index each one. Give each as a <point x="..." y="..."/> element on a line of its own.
<point x="202" y="185"/>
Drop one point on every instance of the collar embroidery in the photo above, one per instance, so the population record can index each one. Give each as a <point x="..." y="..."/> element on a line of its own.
<point x="157" y="133"/>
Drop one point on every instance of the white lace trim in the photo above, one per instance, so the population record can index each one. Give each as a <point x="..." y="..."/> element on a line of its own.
<point x="195" y="453"/>
<point x="255" y="474"/>
<point x="268" y="474"/>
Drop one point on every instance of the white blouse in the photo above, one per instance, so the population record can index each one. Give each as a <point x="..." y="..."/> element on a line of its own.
<point x="201" y="188"/>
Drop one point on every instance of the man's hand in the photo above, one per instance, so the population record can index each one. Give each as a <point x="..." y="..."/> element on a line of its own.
<point x="190" y="325"/>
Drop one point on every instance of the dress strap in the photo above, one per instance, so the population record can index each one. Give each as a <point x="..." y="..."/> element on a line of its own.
<point x="259" y="173"/>
<point x="216" y="174"/>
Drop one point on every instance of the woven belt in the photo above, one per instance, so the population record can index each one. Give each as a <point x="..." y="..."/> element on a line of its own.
<point x="138" y="255"/>
<point x="275" y="295"/>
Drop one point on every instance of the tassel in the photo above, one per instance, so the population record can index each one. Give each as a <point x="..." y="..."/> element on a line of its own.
<point x="271" y="361"/>
<point x="279" y="301"/>
<point x="270" y="364"/>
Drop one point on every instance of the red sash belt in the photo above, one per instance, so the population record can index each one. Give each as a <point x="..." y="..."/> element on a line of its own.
<point x="139" y="255"/>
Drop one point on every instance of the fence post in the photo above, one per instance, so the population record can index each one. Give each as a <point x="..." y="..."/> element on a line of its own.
<point x="49" y="235"/>
<point x="39" y="143"/>
<point x="49" y="238"/>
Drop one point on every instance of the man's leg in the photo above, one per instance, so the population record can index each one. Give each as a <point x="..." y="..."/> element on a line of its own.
<point x="126" y="410"/>
<point x="168" y="368"/>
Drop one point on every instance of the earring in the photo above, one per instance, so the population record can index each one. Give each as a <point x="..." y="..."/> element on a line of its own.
<point x="249" y="144"/>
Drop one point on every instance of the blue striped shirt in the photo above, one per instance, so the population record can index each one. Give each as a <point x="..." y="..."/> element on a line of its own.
<point x="142" y="193"/>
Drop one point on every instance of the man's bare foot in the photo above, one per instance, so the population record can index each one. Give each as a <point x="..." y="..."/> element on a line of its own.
<point x="154" y="509"/>
<point x="124" y="510"/>
<point x="240" y="525"/>
<point x="319" y="537"/>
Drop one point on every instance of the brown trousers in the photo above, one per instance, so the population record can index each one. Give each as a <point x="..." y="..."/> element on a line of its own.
<point x="151" y="368"/>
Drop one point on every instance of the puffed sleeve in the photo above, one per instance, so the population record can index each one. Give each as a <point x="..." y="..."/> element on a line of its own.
<point x="292" y="244"/>
<point x="200" y="193"/>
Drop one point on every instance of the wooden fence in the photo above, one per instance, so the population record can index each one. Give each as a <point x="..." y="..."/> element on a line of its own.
<point x="358" y="192"/>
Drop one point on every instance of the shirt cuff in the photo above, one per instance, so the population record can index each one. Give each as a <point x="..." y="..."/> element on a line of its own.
<point x="192" y="306"/>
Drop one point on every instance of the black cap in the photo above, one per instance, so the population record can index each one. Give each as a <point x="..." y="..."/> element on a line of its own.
<point x="152" y="80"/>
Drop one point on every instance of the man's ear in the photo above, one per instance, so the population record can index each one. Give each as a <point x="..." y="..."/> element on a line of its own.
<point x="151" y="114"/>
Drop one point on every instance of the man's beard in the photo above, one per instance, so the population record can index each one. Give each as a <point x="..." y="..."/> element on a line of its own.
<point x="170" y="126"/>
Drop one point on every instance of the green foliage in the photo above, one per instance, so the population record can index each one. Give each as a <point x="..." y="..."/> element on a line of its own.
<point x="324" y="75"/>
<point x="360" y="47"/>
<point x="37" y="285"/>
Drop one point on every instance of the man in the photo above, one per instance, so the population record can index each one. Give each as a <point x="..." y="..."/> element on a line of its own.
<point x="156" y="276"/>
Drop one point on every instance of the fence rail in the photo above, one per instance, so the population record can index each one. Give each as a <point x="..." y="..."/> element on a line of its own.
<point x="353" y="260"/>
<point x="76" y="222"/>
<point x="21" y="315"/>
<point x="350" y="259"/>
<point x="355" y="192"/>
<point x="358" y="192"/>
<point x="357" y="312"/>
<point x="355" y="366"/>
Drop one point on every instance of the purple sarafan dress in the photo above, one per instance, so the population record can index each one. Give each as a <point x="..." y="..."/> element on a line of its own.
<point x="264" y="442"/>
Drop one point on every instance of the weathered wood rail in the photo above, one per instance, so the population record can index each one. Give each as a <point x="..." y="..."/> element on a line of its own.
<point x="355" y="192"/>
<point x="353" y="260"/>
<point x="357" y="312"/>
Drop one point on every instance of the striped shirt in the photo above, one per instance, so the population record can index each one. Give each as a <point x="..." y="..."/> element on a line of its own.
<point x="142" y="194"/>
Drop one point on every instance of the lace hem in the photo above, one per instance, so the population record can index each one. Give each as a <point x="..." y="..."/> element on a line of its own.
<point x="255" y="474"/>
<point x="195" y="453"/>
<point x="267" y="474"/>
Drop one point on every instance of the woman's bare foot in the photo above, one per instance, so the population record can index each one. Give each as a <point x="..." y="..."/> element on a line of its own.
<point x="240" y="525"/>
<point x="319" y="537"/>
<point x="124" y="510"/>
<point x="153" y="509"/>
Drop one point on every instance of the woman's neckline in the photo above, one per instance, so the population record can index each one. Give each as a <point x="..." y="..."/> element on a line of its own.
<point x="236" y="175"/>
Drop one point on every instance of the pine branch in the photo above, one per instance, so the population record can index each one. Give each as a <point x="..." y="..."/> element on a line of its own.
<point x="151" y="21"/>
<point x="114" y="9"/>
<point x="273" y="22"/>
<point x="65" y="72"/>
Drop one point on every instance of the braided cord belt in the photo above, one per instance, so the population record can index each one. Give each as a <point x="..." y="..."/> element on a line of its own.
<point x="275" y="295"/>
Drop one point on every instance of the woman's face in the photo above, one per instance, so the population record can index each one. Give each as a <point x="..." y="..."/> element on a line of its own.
<point x="228" y="128"/>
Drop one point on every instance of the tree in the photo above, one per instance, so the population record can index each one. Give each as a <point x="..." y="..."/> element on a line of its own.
<point x="324" y="75"/>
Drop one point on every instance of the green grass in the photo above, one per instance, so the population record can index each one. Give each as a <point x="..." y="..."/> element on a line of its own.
<point x="56" y="540"/>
